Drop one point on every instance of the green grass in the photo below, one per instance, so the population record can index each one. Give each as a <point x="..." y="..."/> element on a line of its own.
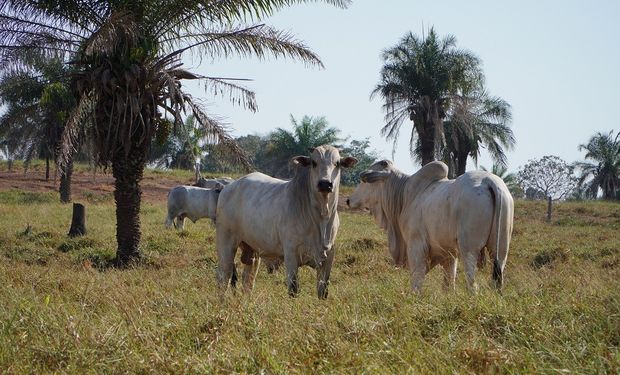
<point x="63" y="310"/>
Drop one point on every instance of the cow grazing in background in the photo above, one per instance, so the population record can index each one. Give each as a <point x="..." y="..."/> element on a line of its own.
<point x="211" y="183"/>
<point x="295" y="220"/>
<point x="191" y="202"/>
<point x="432" y="220"/>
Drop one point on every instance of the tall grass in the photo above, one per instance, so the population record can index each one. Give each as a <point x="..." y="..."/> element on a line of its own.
<point x="63" y="310"/>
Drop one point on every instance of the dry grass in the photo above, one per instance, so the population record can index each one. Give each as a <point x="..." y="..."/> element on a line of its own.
<point x="63" y="310"/>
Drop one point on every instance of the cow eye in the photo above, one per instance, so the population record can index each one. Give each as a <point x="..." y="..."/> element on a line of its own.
<point x="313" y="164"/>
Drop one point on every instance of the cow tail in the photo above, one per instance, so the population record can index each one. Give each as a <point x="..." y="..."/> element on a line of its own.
<point x="498" y="276"/>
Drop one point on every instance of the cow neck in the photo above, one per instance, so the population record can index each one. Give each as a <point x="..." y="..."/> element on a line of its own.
<point x="308" y="203"/>
<point x="392" y="200"/>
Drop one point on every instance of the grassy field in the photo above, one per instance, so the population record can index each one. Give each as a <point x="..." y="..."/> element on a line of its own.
<point x="63" y="310"/>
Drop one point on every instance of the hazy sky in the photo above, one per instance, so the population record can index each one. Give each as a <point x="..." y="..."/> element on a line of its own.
<point x="556" y="62"/>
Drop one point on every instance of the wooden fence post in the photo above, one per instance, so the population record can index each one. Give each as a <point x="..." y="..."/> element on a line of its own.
<point x="549" y="208"/>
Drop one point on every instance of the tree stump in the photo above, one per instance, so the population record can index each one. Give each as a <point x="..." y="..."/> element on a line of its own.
<point x="78" y="221"/>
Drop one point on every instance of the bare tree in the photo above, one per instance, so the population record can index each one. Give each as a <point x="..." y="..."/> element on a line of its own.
<point x="551" y="176"/>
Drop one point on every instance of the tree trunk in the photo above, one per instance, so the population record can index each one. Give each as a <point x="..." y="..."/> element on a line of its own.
<point x="461" y="163"/>
<point x="10" y="164"/>
<point x="549" y="201"/>
<point x="65" y="182"/>
<point x="127" y="172"/>
<point x="427" y="143"/>
<point x="47" y="167"/>
<point x="78" y="221"/>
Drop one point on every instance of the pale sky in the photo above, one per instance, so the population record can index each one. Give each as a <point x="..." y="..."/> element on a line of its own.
<point x="556" y="62"/>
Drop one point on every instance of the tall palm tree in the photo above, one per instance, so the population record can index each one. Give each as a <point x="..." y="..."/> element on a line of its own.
<point x="604" y="172"/>
<point x="38" y="100"/>
<point x="476" y="120"/>
<point x="310" y="132"/>
<point x="128" y="73"/>
<point x="418" y="78"/>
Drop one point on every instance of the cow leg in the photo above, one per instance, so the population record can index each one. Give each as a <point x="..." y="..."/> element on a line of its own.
<point x="169" y="221"/>
<point x="180" y="224"/>
<point x="470" y="261"/>
<point x="234" y="277"/>
<point x="322" y="275"/>
<point x="291" y="264"/>
<point x="226" y="249"/>
<point x="416" y="259"/>
<point x="251" y="262"/>
<point x="449" y="272"/>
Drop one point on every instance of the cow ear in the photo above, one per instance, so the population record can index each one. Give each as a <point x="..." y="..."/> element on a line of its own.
<point x="348" y="162"/>
<point x="311" y="149"/>
<point x="218" y="187"/>
<point x="374" y="176"/>
<point x="384" y="163"/>
<point x="304" y="161"/>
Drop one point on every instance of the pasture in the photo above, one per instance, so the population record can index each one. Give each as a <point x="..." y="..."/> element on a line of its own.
<point x="62" y="309"/>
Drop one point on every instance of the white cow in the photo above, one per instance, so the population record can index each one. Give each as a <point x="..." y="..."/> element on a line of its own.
<point x="211" y="183"/>
<point x="292" y="220"/>
<point x="432" y="220"/>
<point x="191" y="202"/>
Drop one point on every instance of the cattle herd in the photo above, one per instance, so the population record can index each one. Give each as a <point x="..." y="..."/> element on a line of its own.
<point x="429" y="219"/>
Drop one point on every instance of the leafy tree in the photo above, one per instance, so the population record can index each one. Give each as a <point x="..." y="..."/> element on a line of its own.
<point x="310" y="132"/>
<point x="510" y="179"/>
<point x="604" y="172"/>
<point x="128" y="73"/>
<point x="418" y="79"/>
<point x="255" y="146"/>
<point x="358" y="149"/>
<point x="476" y="120"/>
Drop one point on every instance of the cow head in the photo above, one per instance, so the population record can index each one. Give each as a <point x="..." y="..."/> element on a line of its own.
<point x="367" y="193"/>
<point x="324" y="165"/>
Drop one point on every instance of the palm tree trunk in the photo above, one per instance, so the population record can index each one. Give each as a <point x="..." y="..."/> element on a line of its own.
<point x="427" y="143"/>
<point x="461" y="163"/>
<point x="47" y="167"/>
<point x="65" y="182"/>
<point x="127" y="172"/>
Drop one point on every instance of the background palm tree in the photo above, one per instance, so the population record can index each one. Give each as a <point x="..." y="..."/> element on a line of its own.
<point x="510" y="179"/>
<point x="182" y="149"/>
<point x="128" y="74"/>
<point x="604" y="173"/>
<point x="418" y="78"/>
<point x="310" y="132"/>
<point x="476" y="120"/>
<point x="38" y="101"/>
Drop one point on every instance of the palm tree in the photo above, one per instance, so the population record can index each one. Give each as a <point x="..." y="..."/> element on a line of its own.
<point x="419" y="77"/>
<point x="510" y="179"/>
<point x="604" y="173"/>
<point x="476" y="120"/>
<point x="38" y="101"/>
<point x="128" y="74"/>
<point x="310" y="132"/>
<point x="180" y="150"/>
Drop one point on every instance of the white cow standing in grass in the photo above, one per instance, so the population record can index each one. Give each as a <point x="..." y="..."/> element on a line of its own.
<point x="292" y="220"/>
<point x="211" y="183"/>
<point x="191" y="202"/>
<point x="432" y="220"/>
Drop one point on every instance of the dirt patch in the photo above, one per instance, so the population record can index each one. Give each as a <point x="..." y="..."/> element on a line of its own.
<point x="84" y="185"/>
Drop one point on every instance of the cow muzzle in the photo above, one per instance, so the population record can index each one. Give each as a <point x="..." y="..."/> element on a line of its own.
<point x="325" y="186"/>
